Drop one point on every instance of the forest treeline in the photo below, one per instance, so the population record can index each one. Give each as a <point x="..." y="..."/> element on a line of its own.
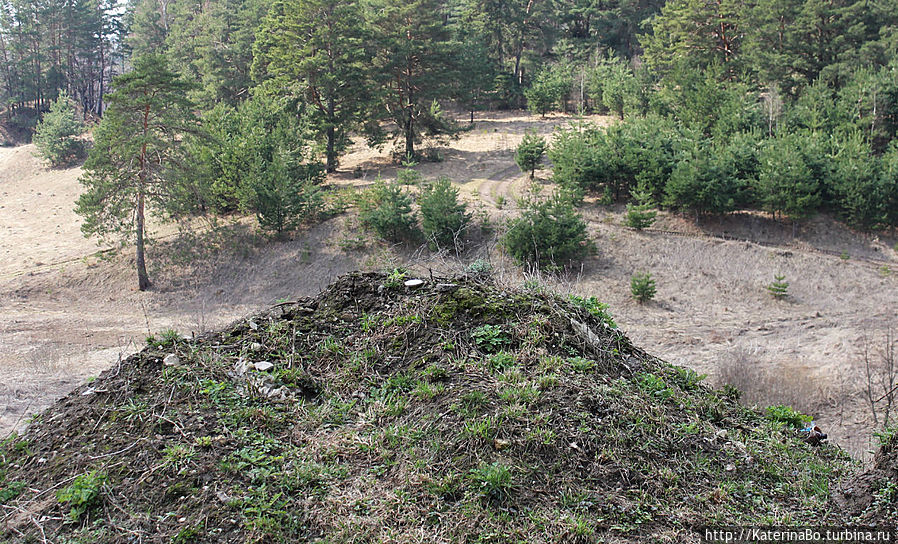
<point x="51" y="46"/>
<point x="788" y="106"/>
<point x="481" y="53"/>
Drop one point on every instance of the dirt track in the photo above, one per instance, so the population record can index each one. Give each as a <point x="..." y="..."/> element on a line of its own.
<point x="62" y="324"/>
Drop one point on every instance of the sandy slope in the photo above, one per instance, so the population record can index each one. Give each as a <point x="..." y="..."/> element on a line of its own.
<point x="61" y="324"/>
<point x="37" y="223"/>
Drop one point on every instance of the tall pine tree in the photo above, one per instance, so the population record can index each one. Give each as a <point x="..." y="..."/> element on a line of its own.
<point x="414" y="66"/>
<point x="315" y="48"/>
<point x="137" y="154"/>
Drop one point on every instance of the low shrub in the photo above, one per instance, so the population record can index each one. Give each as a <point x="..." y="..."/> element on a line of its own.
<point x="387" y="210"/>
<point x="549" y="233"/>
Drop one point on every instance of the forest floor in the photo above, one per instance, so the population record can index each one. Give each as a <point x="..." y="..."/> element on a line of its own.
<point x="67" y="311"/>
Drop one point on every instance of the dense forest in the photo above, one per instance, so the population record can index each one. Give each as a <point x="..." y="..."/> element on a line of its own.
<point x="786" y="106"/>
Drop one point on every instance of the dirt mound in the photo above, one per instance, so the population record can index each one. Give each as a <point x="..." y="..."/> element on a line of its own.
<point x="452" y="412"/>
<point x="871" y="497"/>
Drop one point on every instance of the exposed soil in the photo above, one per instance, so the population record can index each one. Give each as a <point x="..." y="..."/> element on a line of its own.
<point x="872" y="496"/>
<point x="64" y="322"/>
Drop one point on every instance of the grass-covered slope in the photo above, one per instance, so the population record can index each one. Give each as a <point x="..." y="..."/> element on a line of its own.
<point x="456" y="412"/>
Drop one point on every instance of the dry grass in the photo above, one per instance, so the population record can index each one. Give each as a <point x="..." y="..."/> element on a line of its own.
<point x="788" y="383"/>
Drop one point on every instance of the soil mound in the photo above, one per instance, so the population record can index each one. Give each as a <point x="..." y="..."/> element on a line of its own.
<point x="455" y="411"/>
<point x="871" y="497"/>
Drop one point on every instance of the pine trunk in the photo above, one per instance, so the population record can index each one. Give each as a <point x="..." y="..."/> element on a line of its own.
<point x="331" y="137"/>
<point x="143" y="279"/>
<point x="409" y="138"/>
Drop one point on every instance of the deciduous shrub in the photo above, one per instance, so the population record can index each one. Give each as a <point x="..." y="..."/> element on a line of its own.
<point x="83" y="494"/>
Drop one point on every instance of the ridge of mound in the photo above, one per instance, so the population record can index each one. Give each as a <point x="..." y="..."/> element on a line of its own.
<point x="375" y="412"/>
<point x="871" y="497"/>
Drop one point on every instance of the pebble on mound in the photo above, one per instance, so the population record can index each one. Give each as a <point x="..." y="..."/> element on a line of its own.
<point x="453" y="411"/>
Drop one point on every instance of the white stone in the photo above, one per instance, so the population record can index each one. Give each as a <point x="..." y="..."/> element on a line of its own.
<point x="263" y="366"/>
<point x="241" y="366"/>
<point x="414" y="284"/>
<point x="171" y="360"/>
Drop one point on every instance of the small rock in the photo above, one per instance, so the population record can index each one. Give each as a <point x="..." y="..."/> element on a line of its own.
<point x="255" y="346"/>
<point x="263" y="366"/>
<point x="253" y="325"/>
<point x="241" y="366"/>
<point x="721" y="434"/>
<point x="446" y="287"/>
<point x="171" y="360"/>
<point x="414" y="284"/>
<point x="276" y="392"/>
<point x="730" y="467"/>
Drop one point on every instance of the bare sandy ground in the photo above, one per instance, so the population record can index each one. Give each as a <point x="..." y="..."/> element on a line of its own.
<point x="61" y="324"/>
<point x="37" y="223"/>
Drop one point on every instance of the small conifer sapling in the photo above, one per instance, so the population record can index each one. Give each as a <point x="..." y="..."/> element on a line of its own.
<point x="779" y="287"/>
<point x="642" y="287"/>
<point x="529" y="153"/>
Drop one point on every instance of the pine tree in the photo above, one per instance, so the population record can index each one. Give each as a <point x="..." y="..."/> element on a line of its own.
<point x="530" y="152"/>
<point x="443" y="217"/>
<point x="549" y="90"/>
<point x="549" y="233"/>
<point x="315" y="48"/>
<point x="642" y="287"/>
<point x="697" y="32"/>
<point x="387" y="209"/>
<point x="56" y="136"/>
<point x="136" y="156"/>
<point x="779" y="287"/>
<point x="414" y="66"/>
<point x="641" y="215"/>
<point x="786" y="181"/>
